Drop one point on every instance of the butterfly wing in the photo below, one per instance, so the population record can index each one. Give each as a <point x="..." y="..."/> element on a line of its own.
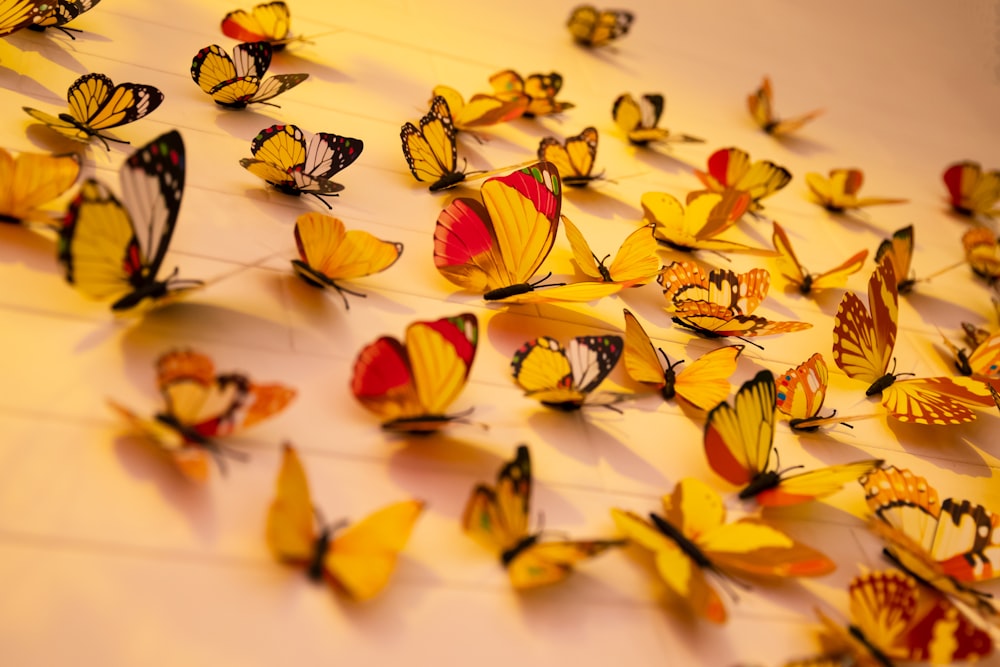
<point x="982" y="252"/>
<point x="789" y="264"/>
<point x="899" y="250"/>
<point x="936" y="400"/>
<point x="327" y="154"/>
<point x="759" y="103"/>
<point x="18" y="14"/>
<point x="542" y="369"/>
<point x="586" y="260"/>
<point x="362" y="557"/>
<point x="704" y="382"/>
<point x="813" y="484"/>
<point x="291" y="533"/>
<point x="481" y="110"/>
<point x="801" y="390"/>
<point x="497" y="517"/>
<point x="696" y="227"/>
<point x="739" y="437"/>
<point x="863" y="339"/>
<point x="212" y="67"/>
<point x="732" y="168"/>
<point x="32" y="180"/>
<point x="641" y="362"/>
<point x="328" y="252"/>
<point x="191" y="459"/>
<point x="545" y="563"/>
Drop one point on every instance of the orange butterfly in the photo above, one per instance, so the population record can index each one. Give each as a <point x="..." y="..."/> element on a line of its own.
<point x="840" y="191"/>
<point x="719" y="304"/>
<point x="697" y="227"/>
<point x="202" y="406"/>
<point x="704" y="382"/>
<point x="481" y="110"/>
<point x="801" y="392"/>
<point x="760" y="105"/>
<point x="797" y="274"/>
<point x="863" y="340"/>
<point x="537" y="91"/>
<point x="982" y="252"/>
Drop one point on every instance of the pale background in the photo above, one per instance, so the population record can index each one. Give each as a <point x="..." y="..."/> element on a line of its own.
<point x="108" y="557"/>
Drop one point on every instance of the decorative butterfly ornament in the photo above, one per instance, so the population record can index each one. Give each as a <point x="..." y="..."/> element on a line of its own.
<point x="30" y="181"/>
<point x="497" y="517"/>
<point x="972" y="191"/>
<point x="18" y="14"/>
<point x="699" y="225"/>
<point x="410" y="384"/>
<point x="430" y="150"/>
<point x="564" y="378"/>
<point x="267" y="22"/>
<point x="732" y="168"/>
<point x="574" y="158"/>
<point x="801" y="392"/>
<point x="793" y="271"/>
<point x="539" y="90"/>
<point x="839" y="192"/>
<point x="238" y="81"/>
<point x="592" y="27"/>
<point x="982" y="252"/>
<point x="357" y="559"/>
<point x="639" y="120"/>
<point x="97" y="104"/>
<point x="480" y="110"/>
<point x="202" y="406"/>
<point x="761" y="108"/>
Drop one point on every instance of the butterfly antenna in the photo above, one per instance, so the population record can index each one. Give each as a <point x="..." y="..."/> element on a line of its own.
<point x="728" y="581"/>
<point x="777" y="460"/>
<point x="750" y="342"/>
<point x="343" y="291"/>
<point x="320" y="198"/>
<point x="105" y="138"/>
<point x="460" y="418"/>
<point x="538" y="283"/>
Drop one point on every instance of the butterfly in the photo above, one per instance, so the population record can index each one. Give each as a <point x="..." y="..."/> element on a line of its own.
<point x="972" y="191"/>
<point x="840" y="191"/>
<point x="96" y="104"/>
<point x="539" y="90"/>
<point x="410" y="384"/>
<point x="430" y="150"/>
<point x="731" y="168"/>
<point x="893" y="619"/>
<point x="692" y="540"/>
<point x="962" y="537"/>
<point x="494" y="247"/>
<point x="60" y="13"/>
<point x="635" y="263"/>
<point x="698" y="225"/>
<point x="18" y="14"/>
<point x="593" y="27"/>
<point x="236" y="82"/>
<point x="801" y="392"/>
<point x="282" y="157"/>
<point x="982" y="252"/>
<point x="497" y="517"/>
<point x="983" y="362"/>
<point x="704" y="382"/>
<point x="114" y="250"/>
<point x="639" y="120"/>
<point x="863" y="340"/>
<point x="202" y="406"/>
<point x="760" y="105"/>
<point x="32" y="180"/>
<point x="565" y="377"/>
<point x="357" y="559"/>
<point x="719" y="304"/>
<point x="328" y="253"/>
<point x="481" y="110"/>
<point x="266" y="22"/>
<point x="793" y="271"/>
<point x="739" y="444"/>
<point x="574" y="158"/>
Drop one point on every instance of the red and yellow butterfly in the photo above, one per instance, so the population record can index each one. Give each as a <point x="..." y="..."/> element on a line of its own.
<point x="267" y="22"/>
<point x="798" y="275"/>
<point x="731" y="168"/>
<point x="693" y="540"/>
<point x="719" y="304"/>
<point x="961" y="537"/>
<point x="494" y="247"/>
<point x="639" y="120"/>
<point x="593" y="27"/>
<point x="283" y="158"/>
<point x="481" y="110"/>
<point x="202" y="406"/>
<point x="574" y="158"/>
<point x="760" y="104"/>
<point x="357" y="559"/>
<point x="32" y="180"/>
<point x="972" y="191"/>
<point x="114" y="250"/>
<point x="564" y="378"/>
<point x="801" y="392"/>
<point x="739" y="444"/>
<point x="238" y="81"/>
<point x="863" y="340"/>
<point x="497" y="517"/>
<point x="697" y="227"/>
<point x="328" y="252"/>
<point x="704" y="383"/>
<point x="96" y="104"/>
<point x="893" y="619"/>
<point x="636" y="263"/>
<point x="410" y="384"/>
<point x="539" y="90"/>
<point x="982" y="252"/>
<point x="839" y="192"/>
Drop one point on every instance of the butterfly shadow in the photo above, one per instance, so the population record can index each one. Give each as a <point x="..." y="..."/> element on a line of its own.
<point x="290" y="60"/>
<point x="150" y="465"/>
<point x="944" y="310"/>
<point x="802" y="146"/>
<point x="612" y="56"/>
<point x="662" y="159"/>
<point x="11" y="79"/>
<point x="21" y="245"/>
<point x="827" y="300"/>
<point x="54" y="47"/>
<point x="949" y="443"/>
<point x="53" y="142"/>
<point x="607" y="204"/>
<point x="243" y="123"/>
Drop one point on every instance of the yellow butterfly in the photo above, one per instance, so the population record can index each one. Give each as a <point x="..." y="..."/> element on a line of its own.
<point x="328" y="253"/>
<point x="564" y="378"/>
<point x="639" y="120"/>
<point x="238" y="81"/>
<point x="431" y="151"/>
<point x="539" y="90"/>
<point x="358" y="559"/>
<point x="732" y="168"/>
<point x="797" y="274"/>
<point x="497" y="517"/>
<point x="574" y="158"/>
<point x="704" y="382"/>
<point x="982" y="252"/>
<point x="96" y="104"/>
<point x="481" y="110"/>
<point x="692" y="540"/>
<point x="840" y="191"/>
<point x="972" y="191"/>
<point x="698" y="226"/>
<point x="592" y="27"/>
<point x="32" y="180"/>
<point x="760" y="105"/>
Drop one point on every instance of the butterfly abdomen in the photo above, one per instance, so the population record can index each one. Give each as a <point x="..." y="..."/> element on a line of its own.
<point x="419" y="425"/>
<point x="880" y="385"/>
<point x="509" y="290"/>
<point x="806" y="285"/>
<point x="145" y="289"/>
<point x="669" y="388"/>
<point x="447" y="181"/>
<point x="316" y="564"/>
<point x="760" y="483"/>
<point x="880" y="658"/>
<point x="508" y="555"/>
<point x="687" y="546"/>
